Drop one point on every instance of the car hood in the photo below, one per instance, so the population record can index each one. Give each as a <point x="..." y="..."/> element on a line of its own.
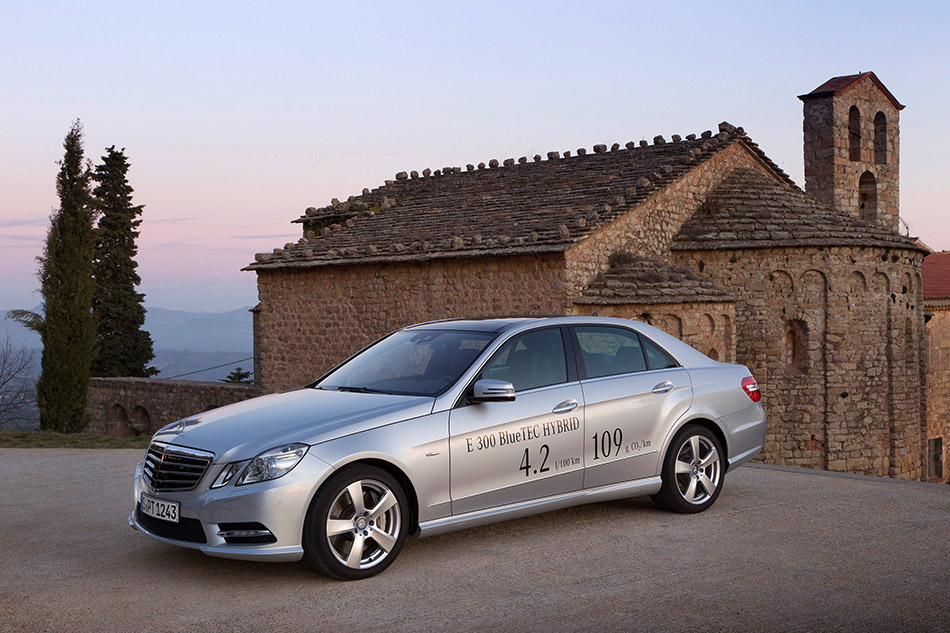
<point x="241" y="431"/>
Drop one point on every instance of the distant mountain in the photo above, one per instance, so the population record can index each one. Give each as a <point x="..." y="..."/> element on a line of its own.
<point x="19" y="335"/>
<point x="202" y="345"/>
<point x="205" y="366"/>
<point x="200" y="331"/>
<point x="172" y="330"/>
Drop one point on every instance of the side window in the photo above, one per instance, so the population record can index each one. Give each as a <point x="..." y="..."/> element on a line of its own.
<point x="535" y="359"/>
<point x="656" y="357"/>
<point x="608" y="351"/>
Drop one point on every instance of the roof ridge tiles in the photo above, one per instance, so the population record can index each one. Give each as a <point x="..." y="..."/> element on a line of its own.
<point x="413" y="177"/>
<point x="540" y="204"/>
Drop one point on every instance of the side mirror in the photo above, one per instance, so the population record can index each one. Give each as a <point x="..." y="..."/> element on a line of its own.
<point x="488" y="390"/>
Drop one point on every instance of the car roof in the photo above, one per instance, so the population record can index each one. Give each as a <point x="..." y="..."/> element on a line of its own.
<point x="686" y="355"/>
<point x="473" y="325"/>
<point x="501" y="324"/>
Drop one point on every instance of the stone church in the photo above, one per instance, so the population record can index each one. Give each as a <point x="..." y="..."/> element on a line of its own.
<point x="703" y="235"/>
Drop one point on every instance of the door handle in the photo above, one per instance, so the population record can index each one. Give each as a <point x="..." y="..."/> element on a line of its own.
<point x="663" y="387"/>
<point x="565" y="407"/>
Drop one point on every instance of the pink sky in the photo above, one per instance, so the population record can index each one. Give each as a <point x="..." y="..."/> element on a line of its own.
<point x="236" y="118"/>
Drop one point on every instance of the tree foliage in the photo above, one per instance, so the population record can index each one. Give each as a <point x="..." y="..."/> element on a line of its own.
<point x="124" y="349"/>
<point x="67" y="285"/>
<point x="239" y="376"/>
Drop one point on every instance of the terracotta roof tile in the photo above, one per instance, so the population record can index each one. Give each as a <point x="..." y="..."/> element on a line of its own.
<point x="935" y="276"/>
<point x="751" y="210"/>
<point x="836" y="85"/>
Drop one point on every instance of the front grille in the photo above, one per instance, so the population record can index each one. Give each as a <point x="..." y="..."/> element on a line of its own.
<point x="188" y="530"/>
<point x="174" y="468"/>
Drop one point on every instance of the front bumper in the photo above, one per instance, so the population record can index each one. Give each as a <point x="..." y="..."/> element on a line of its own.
<point x="280" y="505"/>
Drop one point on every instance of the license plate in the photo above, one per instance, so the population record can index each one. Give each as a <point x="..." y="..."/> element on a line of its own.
<point x="159" y="508"/>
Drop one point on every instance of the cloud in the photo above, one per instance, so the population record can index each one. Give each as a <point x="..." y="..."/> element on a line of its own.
<point x="169" y="220"/>
<point x="14" y="224"/>
<point x="23" y="238"/>
<point x="186" y="247"/>
<point x="273" y="236"/>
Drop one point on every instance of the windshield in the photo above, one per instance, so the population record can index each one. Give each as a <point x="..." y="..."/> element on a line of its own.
<point x="411" y="362"/>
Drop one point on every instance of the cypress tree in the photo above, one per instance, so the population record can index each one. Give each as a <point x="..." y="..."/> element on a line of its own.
<point x="66" y="283"/>
<point x="124" y="349"/>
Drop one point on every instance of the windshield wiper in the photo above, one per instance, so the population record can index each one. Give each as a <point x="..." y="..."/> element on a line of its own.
<point x="360" y="390"/>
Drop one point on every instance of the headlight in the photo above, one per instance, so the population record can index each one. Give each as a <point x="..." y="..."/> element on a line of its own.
<point x="228" y="474"/>
<point x="270" y="464"/>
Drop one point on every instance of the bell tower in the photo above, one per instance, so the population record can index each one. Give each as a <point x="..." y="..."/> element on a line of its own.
<point x="852" y="147"/>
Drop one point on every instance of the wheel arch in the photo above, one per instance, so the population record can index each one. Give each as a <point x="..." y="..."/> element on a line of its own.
<point x="400" y="476"/>
<point x="706" y="422"/>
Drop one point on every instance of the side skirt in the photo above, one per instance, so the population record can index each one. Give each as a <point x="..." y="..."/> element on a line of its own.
<point x="638" y="488"/>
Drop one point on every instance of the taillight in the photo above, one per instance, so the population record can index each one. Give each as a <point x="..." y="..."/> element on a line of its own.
<point x="751" y="388"/>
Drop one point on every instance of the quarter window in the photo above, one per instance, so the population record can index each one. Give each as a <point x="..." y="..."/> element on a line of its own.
<point x="657" y="358"/>
<point x="608" y="351"/>
<point x="532" y="360"/>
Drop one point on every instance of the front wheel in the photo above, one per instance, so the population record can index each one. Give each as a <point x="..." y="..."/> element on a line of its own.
<point x="356" y="524"/>
<point x="693" y="471"/>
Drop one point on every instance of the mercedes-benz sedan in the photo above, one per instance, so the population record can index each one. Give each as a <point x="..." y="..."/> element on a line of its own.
<point x="448" y="425"/>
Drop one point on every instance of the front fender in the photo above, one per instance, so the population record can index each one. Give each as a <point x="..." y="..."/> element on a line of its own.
<point x="418" y="447"/>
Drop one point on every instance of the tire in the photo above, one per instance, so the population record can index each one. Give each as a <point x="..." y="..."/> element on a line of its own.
<point x="694" y="463"/>
<point x="377" y="523"/>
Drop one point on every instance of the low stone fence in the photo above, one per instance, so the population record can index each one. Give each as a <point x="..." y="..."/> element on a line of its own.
<point x="141" y="406"/>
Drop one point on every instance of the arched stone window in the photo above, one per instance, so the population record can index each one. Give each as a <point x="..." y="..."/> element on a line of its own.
<point x="119" y="421"/>
<point x="671" y="324"/>
<point x="796" y="344"/>
<point x="880" y="138"/>
<point x="140" y="421"/>
<point x="854" y="133"/>
<point x="867" y="196"/>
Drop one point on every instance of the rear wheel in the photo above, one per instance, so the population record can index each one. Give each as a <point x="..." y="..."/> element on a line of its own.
<point x="356" y="524"/>
<point x="693" y="471"/>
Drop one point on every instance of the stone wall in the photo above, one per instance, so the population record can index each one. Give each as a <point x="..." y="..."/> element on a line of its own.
<point x="141" y="406"/>
<point x="938" y="382"/>
<point x="835" y="339"/>
<point x="831" y="176"/>
<point x="311" y="319"/>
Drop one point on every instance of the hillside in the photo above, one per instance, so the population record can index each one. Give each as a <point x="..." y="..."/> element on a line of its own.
<point x="171" y="330"/>
<point x="201" y="345"/>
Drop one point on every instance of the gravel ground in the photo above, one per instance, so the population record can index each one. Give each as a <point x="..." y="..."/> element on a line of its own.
<point x="782" y="550"/>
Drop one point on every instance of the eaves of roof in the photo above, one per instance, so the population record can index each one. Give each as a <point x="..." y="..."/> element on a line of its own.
<point x="837" y="85"/>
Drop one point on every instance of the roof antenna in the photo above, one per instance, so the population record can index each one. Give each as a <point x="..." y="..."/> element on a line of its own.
<point x="905" y="225"/>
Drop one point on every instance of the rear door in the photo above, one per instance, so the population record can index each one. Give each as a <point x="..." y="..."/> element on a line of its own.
<point x="506" y="452"/>
<point x="633" y="392"/>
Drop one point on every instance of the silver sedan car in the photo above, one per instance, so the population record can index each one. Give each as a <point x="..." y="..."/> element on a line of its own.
<point x="448" y="425"/>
